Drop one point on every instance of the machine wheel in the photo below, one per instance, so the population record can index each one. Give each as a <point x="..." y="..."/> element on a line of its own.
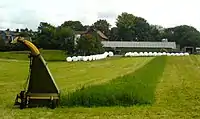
<point x="22" y="104"/>
<point x="53" y="104"/>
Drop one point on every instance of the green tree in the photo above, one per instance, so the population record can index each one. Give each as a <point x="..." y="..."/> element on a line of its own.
<point x="75" y="25"/>
<point x="46" y="36"/>
<point x="89" y="45"/>
<point x="2" y="44"/>
<point x="125" y="24"/>
<point x="156" y="33"/>
<point x="133" y="28"/>
<point x="64" y="38"/>
<point x="114" y="34"/>
<point x="103" y="26"/>
<point x="183" y="35"/>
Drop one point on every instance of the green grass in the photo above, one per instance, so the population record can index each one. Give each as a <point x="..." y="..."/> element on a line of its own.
<point x="176" y="95"/>
<point x="49" y="55"/>
<point x="133" y="88"/>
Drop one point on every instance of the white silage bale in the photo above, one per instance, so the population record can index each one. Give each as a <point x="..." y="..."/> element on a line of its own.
<point x="150" y="54"/>
<point x="89" y="58"/>
<point x="164" y="53"/>
<point x="186" y="54"/>
<point x="128" y="54"/>
<point x="101" y="56"/>
<point x="181" y="54"/>
<point x="79" y="58"/>
<point x="106" y="53"/>
<point x="145" y="54"/>
<point x="176" y="54"/>
<point x="141" y="54"/>
<point x="110" y="54"/>
<point x="172" y="54"/>
<point x="168" y="54"/>
<point x="85" y="58"/>
<point x="131" y="54"/>
<point x="93" y="57"/>
<point x="97" y="57"/>
<point x="155" y="54"/>
<point x="105" y="56"/>
<point x="137" y="54"/>
<point x="69" y="59"/>
<point x="160" y="54"/>
<point x="74" y="58"/>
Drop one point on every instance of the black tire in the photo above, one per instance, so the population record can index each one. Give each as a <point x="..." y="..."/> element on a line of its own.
<point x="53" y="104"/>
<point x="22" y="104"/>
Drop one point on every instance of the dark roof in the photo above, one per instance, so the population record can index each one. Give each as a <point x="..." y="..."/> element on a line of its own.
<point x="101" y="34"/>
<point x="139" y="44"/>
<point x="92" y="29"/>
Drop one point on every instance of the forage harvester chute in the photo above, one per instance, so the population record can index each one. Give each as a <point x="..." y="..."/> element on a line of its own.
<point x="40" y="89"/>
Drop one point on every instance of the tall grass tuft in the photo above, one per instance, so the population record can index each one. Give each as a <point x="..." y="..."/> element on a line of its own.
<point x="135" y="88"/>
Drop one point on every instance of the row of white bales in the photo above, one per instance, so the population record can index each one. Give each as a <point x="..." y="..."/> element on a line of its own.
<point x="90" y="58"/>
<point x="131" y="54"/>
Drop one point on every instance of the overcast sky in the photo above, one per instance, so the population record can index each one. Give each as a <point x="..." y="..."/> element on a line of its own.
<point x="28" y="13"/>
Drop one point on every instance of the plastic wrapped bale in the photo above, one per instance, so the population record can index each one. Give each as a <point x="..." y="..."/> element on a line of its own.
<point x="97" y="57"/>
<point x="136" y="54"/>
<point x="150" y="54"/>
<point x="177" y="54"/>
<point x="181" y="54"/>
<point x="89" y="58"/>
<point x="168" y="54"/>
<point x="146" y="54"/>
<point x="85" y="58"/>
<point x="155" y="54"/>
<point x="186" y="54"/>
<point x="80" y="58"/>
<point x="164" y="53"/>
<point x="129" y="54"/>
<point x="160" y="54"/>
<point x="74" y="58"/>
<point x="106" y="53"/>
<point x="141" y="54"/>
<point x="110" y="54"/>
<point x="69" y="59"/>
<point x="172" y="54"/>
<point x="104" y="56"/>
<point x="93" y="57"/>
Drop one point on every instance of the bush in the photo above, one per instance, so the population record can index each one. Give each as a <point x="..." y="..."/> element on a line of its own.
<point x="135" y="88"/>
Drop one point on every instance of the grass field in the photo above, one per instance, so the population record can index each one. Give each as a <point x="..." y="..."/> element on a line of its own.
<point x="176" y="94"/>
<point x="49" y="55"/>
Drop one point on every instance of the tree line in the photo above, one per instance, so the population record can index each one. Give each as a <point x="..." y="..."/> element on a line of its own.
<point x="128" y="28"/>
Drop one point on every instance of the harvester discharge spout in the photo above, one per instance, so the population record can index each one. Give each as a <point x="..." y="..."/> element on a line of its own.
<point x="41" y="89"/>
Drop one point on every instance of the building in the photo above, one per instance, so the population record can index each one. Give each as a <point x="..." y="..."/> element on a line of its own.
<point x="90" y="30"/>
<point x="8" y="36"/>
<point x="122" y="47"/>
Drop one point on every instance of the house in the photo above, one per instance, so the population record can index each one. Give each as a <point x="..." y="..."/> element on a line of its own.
<point x="122" y="47"/>
<point x="90" y="30"/>
<point x="8" y="36"/>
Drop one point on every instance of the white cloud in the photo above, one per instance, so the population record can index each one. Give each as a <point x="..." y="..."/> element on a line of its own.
<point x="25" y="13"/>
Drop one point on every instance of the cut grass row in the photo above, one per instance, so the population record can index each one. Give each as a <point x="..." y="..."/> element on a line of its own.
<point x="133" y="88"/>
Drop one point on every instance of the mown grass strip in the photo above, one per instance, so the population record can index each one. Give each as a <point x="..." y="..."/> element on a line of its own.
<point x="135" y="88"/>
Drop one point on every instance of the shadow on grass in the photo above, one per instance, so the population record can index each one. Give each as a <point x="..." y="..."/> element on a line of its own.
<point x="136" y="88"/>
